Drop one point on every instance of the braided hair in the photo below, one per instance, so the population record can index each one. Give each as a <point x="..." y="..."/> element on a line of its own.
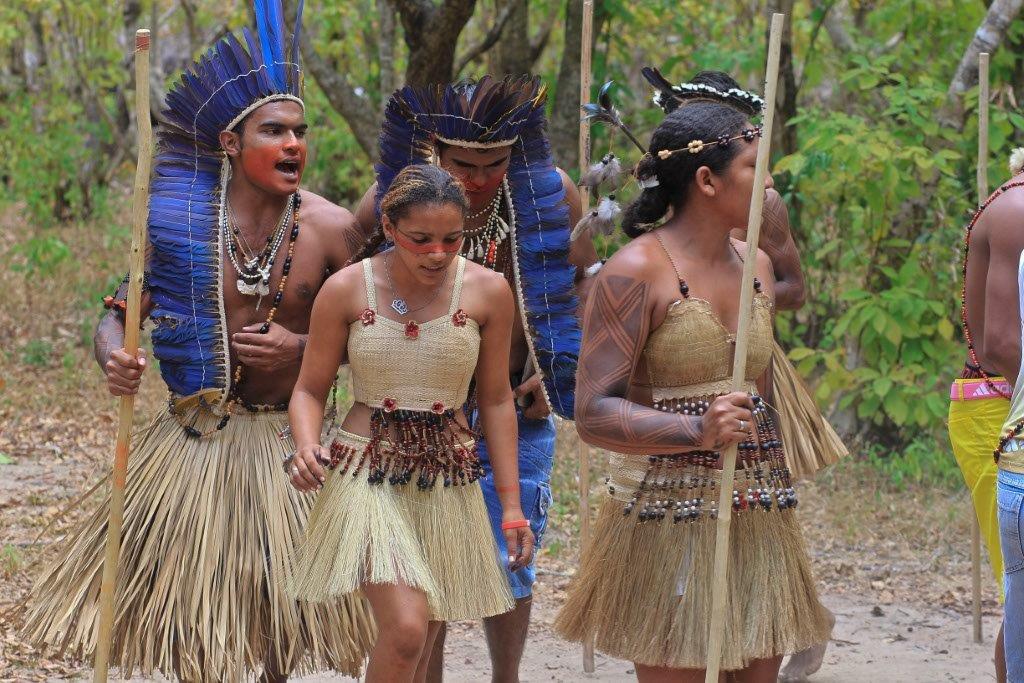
<point x="414" y="185"/>
<point x="701" y="120"/>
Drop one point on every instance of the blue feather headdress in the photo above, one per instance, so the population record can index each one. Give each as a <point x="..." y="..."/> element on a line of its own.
<point x="487" y="114"/>
<point x="233" y="79"/>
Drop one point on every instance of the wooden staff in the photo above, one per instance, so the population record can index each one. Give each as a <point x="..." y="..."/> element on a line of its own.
<point x="140" y="204"/>
<point x="721" y="567"/>
<point x="586" y="58"/>
<point x="982" y="195"/>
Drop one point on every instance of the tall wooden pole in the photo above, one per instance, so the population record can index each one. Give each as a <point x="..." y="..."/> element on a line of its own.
<point x="140" y="205"/>
<point x="586" y="58"/>
<point x="721" y="567"/>
<point x="982" y="180"/>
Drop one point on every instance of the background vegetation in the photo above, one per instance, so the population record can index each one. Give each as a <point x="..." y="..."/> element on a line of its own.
<point x="875" y="153"/>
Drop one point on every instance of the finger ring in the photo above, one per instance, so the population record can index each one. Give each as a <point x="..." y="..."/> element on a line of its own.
<point x="743" y="425"/>
<point x="295" y="470"/>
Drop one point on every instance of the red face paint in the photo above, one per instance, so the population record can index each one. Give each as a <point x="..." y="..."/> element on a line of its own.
<point x="402" y="240"/>
<point x="273" y="153"/>
<point x="489" y="185"/>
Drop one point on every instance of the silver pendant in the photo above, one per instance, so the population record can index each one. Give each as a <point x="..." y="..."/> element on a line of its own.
<point x="401" y="308"/>
<point x="245" y="288"/>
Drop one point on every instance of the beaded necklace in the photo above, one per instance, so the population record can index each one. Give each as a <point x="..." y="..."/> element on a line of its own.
<point x="1019" y="427"/>
<point x="481" y="244"/>
<point x="968" y="337"/>
<point x="233" y="395"/>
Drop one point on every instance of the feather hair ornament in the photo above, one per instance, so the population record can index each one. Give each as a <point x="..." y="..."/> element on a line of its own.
<point x="1017" y="161"/>
<point x="601" y="219"/>
<point x="230" y="81"/>
<point x="607" y="170"/>
<point x="603" y="111"/>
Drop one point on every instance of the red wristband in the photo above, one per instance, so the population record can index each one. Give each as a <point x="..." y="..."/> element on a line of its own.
<point x="515" y="524"/>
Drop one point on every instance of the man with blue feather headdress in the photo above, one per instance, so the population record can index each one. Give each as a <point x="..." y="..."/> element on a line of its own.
<point x="490" y="134"/>
<point x="237" y="253"/>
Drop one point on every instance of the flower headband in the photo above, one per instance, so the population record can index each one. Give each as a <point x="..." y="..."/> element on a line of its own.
<point x="697" y="146"/>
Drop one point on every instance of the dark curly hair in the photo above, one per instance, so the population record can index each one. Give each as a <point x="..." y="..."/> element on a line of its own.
<point x="700" y="120"/>
<point x="414" y="185"/>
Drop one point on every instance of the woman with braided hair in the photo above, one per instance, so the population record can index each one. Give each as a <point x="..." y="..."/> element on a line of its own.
<point x="401" y="515"/>
<point x="643" y="588"/>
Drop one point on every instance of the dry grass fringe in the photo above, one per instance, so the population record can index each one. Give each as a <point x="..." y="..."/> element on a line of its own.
<point x="809" y="441"/>
<point x="643" y="590"/>
<point x="438" y="540"/>
<point x="209" y="525"/>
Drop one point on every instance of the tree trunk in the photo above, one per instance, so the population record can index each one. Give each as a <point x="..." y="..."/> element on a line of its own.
<point x="386" y="49"/>
<point x="564" y="125"/>
<point x="513" y="53"/>
<point x="432" y="34"/>
<point x="987" y="38"/>
<point x="784" y="139"/>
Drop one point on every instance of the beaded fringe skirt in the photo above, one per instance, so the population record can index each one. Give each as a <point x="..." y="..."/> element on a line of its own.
<point x="435" y="538"/>
<point x="208" y="528"/>
<point x="810" y="442"/>
<point x="643" y="589"/>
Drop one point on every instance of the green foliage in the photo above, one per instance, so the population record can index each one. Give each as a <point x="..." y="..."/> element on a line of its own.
<point x="39" y="257"/>
<point x="923" y="462"/>
<point x="37" y="352"/>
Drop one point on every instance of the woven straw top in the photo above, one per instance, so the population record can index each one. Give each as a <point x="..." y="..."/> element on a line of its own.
<point x="428" y="370"/>
<point x="691" y="352"/>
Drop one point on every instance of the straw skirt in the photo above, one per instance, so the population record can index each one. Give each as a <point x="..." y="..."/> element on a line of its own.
<point x="436" y="539"/>
<point x="810" y="441"/>
<point x="643" y="589"/>
<point x="209" y="525"/>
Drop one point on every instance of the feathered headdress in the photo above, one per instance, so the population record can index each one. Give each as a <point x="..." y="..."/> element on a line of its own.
<point x="229" y="82"/>
<point x="491" y="113"/>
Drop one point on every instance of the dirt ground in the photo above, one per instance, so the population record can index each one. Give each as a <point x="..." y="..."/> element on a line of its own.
<point x="892" y="567"/>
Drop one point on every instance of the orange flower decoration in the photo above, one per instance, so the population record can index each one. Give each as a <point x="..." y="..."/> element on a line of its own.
<point x="459" y="318"/>
<point x="368" y="317"/>
<point x="412" y="330"/>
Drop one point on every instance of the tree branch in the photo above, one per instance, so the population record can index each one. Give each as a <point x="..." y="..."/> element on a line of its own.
<point x="488" y="41"/>
<point x="987" y="38"/>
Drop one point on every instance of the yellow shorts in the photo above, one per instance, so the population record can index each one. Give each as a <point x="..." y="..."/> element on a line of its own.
<point x="975" y="421"/>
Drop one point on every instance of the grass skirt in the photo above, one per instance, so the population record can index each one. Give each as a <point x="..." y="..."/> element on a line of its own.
<point x="436" y="539"/>
<point x="209" y="525"/>
<point x="643" y="590"/>
<point x="810" y="442"/>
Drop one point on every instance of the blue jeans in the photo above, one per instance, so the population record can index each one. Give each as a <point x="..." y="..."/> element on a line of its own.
<point x="1010" y="504"/>
<point x="536" y="456"/>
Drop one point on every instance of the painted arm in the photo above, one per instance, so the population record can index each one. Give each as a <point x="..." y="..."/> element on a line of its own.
<point x="777" y="241"/>
<point x="615" y="331"/>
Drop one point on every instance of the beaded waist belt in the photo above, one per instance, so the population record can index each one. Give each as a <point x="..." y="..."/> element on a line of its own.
<point x="429" y="444"/>
<point x="685" y="486"/>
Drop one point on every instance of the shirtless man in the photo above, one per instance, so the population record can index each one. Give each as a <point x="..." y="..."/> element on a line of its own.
<point x="210" y="518"/>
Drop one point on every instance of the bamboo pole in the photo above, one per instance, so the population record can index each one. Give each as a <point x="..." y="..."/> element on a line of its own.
<point x="140" y="202"/>
<point x="586" y="58"/>
<point x="721" y="567"/>
<point x="982" y="179"/>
